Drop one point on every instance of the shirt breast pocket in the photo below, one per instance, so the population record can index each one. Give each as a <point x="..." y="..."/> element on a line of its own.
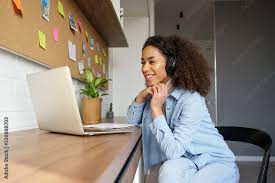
<point x="174" y="123"/>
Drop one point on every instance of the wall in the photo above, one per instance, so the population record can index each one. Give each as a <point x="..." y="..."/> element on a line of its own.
<point x="127" y="77"/>
<point x="196" y="25"/>
<point x="245" y="67"/>
<point x="207" y="49"/>
<point x="15" y="102"/>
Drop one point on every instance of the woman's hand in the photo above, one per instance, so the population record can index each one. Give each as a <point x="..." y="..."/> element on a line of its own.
<point x="160" y="93"/>
<point x="143" y="94"/>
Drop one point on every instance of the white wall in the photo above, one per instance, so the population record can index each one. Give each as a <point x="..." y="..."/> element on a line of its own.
<point x="127" y="77"/>
<point x="15" y="102"/>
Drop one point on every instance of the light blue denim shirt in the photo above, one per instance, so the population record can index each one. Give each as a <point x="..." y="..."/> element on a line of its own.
<point x="187" y="130"/>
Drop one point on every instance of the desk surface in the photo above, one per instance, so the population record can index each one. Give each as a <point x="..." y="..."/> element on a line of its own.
<point x="40" y="156"/>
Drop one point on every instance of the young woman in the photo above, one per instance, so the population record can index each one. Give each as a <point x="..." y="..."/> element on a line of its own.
<point x="177" y="130"/>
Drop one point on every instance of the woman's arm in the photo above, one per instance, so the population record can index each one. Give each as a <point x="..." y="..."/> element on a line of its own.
<point x="134" y="112"/>
<point x="174" y="143"/>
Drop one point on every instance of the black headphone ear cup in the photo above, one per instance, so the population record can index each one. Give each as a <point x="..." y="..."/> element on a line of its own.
<point x="170" y="66"/>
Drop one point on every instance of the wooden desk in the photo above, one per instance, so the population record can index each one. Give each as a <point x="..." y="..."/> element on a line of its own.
<point x="40" y="156"/>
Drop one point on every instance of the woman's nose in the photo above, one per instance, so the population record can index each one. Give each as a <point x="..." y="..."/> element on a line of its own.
<point x="145" y="67"/>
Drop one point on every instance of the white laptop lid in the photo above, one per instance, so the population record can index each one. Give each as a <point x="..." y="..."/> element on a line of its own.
<point x="54" y="101"/>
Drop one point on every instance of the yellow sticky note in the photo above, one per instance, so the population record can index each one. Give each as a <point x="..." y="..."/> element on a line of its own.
<point x="17" y="4"/>
<point x="96" y="59"/>
<point x="104" y="53"/>
<point x="42" y="39"/>
<point x="60" y="8"/>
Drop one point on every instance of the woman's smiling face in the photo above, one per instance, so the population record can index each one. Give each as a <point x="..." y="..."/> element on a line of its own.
<point x="153" y="66"/>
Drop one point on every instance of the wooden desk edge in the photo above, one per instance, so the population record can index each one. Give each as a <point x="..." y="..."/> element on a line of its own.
<point x="128" y="171"/>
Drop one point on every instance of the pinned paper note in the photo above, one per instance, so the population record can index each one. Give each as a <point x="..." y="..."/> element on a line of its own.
<point x="81" y="67"/>
<point x="42" y="39"/>
<point x="89" y="62"/>
<point x="104" y="53"/>
<point x="103" y="69"/>
<point x="55" y="33"/>
<point x="17" y="4"/>
<point x="79" y="25"/>
<point x="96" y="59"/>
<point x="72" y="22"/>
<point x="83" y="49"/>
<point x="60" y="8"/>
<point x="72" y="51"/>
<point x="45" y="4"/>
<point x="92" y="45"/>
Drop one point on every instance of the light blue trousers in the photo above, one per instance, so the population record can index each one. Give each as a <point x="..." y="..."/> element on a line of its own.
<point x="183" y="170"/>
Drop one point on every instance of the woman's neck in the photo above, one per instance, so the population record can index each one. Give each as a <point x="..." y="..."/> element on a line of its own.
<point x="169" y="85"/>
<point x="166" y="80"/>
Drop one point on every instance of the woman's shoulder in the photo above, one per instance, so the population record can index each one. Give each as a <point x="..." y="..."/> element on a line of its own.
<point x="189" y="94"/>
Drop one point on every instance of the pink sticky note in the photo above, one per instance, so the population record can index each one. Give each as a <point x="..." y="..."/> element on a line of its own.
<point x="55" y="33"/>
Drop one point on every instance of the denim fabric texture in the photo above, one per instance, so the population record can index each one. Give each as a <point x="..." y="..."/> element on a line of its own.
<point x="186" y="132"/>
<point x="184" y="170"/>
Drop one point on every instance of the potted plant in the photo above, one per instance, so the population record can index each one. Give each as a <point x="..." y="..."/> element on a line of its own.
<point x="91" y="103"/>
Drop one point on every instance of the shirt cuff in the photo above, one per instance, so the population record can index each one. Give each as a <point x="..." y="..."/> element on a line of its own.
<point x="159" y="123"/>
<point x="137" y="105"/>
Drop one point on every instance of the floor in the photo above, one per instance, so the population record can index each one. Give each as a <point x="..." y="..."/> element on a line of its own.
<point x="248" y="173"/>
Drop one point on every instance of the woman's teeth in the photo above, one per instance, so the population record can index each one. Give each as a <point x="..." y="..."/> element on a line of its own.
<point x="149" y="76"/>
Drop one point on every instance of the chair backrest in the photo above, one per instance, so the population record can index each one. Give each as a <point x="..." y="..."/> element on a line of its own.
<point x="249" y="135"/>
<point x="253" y="136"/>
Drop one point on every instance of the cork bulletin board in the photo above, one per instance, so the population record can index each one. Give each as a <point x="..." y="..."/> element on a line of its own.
<point x="19" y="34"/>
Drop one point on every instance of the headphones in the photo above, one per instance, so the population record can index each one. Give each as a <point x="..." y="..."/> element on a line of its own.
<point x="170" y="66"/>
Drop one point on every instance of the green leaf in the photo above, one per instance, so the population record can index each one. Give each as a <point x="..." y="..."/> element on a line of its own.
<point x="92" y="84"/>
<point x="88" y="76"/>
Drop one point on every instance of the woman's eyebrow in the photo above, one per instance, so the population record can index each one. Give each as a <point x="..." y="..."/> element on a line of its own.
<point x="148" y="58"/>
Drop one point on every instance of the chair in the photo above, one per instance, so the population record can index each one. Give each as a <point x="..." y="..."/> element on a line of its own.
<point x="252" y="136"/>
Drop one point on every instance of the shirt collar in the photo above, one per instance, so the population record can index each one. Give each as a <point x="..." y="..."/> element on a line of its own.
<point x="176" y="93"/>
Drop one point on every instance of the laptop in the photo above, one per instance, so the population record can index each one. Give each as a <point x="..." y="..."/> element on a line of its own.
<point x="55" y="105"/>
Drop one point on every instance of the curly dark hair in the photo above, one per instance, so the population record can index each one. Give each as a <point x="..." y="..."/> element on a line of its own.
<point x="191" y="70"/>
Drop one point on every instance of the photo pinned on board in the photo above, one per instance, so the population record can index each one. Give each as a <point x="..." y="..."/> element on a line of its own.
<point x="83" y="49"/>
<point x="81" y="67"/>
<point x="45" y="4"/>
<point x="92" y="44"/>
<point x="72" y="51"/>
<point x="72" y="22"/>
